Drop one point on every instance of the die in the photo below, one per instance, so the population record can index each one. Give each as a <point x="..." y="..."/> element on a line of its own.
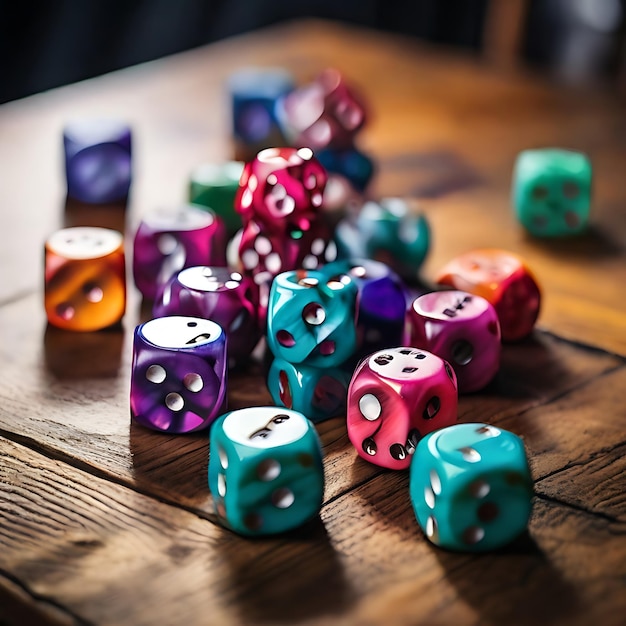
<point x="318" y="393"/>
<point x="504" y="280"/>
<point x="168" y="240"/>
<point x="85" y="278"/>
<point x="215" y="185"/>
<point x="265" y="470"/>
<point x="254" y="93"/>
<point x="470" y="487"/>
<point x="350" y="163"/>
<point x="97" y="160"/>
<point x="395" y="397"/>
<point x="179" y="374"/>
<point x="325" y="113"/>
<point x="282" y="191"/>
<point x="380" y="302"/>
<point x="462" y="329"/>
<point x="551" y="191"/>
<point x="389" y="231"/>
<point x="310" y="319"/>
<point x="218" y="294"/>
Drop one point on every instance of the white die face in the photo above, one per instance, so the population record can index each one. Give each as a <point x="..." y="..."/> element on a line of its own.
<point x="180" y="332"/>
<point x="204" y="278"/>
<point x="450" y="305"/>
<point x="404" y="363"/>
<point x="185" y="217"/>
<point x="84" y="242"/>
<point x="95" y="130"/>
<point x="265" y="426"/>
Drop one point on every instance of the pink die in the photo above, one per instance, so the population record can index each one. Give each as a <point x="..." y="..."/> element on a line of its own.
<point x="281" y="190"/>
<point x="396" y="396"/>
<point x="461" y="328"/>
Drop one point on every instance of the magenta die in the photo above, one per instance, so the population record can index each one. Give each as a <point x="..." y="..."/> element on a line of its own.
<point x="169" y="240"/>
<point x="396" y="396"/>
<point x="219" y="294"/>
<point x="179" y="374"/>
<point x="325" y="114"/>
<point x="282" y="191"/>
<point x="461" y="328"/>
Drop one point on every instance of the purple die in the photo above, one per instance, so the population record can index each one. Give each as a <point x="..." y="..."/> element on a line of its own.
<point x="97" y="160"/>
<point x="179" y="374"/>
<point x="169" y="240"/>
<point x="218" y="294"/>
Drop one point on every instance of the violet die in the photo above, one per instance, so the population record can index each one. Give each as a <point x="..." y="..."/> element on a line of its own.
<point x="179" y="374"/>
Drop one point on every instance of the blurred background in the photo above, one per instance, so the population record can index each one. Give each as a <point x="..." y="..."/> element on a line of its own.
<point x="45" y="43"/>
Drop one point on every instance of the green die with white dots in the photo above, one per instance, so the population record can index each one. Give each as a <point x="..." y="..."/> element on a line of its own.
<point x="471" y="488"/>
<point x="552" y="191"/>
<point x="265" y="470"/>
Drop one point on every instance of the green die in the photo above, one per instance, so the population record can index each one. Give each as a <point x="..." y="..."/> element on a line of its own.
<point x="215" y="185"/>
<point x="552" y="191"/>
<point x="470" y="486"/>
<point x="265" y="470"/>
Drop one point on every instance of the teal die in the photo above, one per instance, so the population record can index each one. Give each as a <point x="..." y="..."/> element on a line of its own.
<point x="552" y="191"/>
<point x="265" y="470"/>
<point x="470" y="486"/>
<point x="319" y="393"/>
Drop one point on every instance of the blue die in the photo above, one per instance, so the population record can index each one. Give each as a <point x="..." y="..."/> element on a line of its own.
<point x="470" y="486"/>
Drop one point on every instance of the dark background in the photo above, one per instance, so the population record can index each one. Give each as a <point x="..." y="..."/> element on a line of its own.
<point x="44" y="44"/>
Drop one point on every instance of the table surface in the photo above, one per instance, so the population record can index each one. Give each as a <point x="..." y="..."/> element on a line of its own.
<point x="104" y="522"/>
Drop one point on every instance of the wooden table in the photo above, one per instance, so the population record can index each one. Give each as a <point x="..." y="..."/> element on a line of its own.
<point x="104" y="522"/>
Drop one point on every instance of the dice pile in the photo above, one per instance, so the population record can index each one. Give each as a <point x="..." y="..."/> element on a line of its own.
<point x="337" y="306"/>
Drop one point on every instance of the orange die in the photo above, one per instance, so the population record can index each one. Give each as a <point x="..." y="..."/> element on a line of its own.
<point x="504" y="280"/>
<point x="85" y="278"/>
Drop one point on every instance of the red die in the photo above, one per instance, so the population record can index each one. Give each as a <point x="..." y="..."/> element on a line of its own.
<point x="282" y="190"/>
<point x="504" y="280"/>
<point x="396" y="396"/>
<point x="461" y="328"/>
<point x="324" y="114"/>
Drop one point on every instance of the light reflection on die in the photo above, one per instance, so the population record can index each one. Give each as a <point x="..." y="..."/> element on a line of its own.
<point x="179" y="374"/>
<point x="396" y="396"/>
<point x="265" y="470"/>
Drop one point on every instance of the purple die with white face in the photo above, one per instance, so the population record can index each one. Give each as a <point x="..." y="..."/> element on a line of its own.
<point x="179" y="374"/>
<point x="171" y="239"/>
<point x="97" y="160"/>
<point x="461" y="328"/>
<point x="219" y="294"/>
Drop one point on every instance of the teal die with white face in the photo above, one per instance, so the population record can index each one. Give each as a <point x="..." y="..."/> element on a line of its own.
<point x="471" y="488"/>
<point x="265" y="470"/>
<point x="552" y="191"/>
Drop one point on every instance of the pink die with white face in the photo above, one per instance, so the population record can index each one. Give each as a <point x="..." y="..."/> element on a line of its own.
<point x="461" y="328"/>
<point x="396" y="396"/>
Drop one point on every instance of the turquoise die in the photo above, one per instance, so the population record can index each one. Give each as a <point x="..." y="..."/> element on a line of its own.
<point x="319" y="393"/>
<point x="265" y="470"/>
<point x="310" y="318"/>
<point x="470" y="486"/>
<point x="552" y="191"/>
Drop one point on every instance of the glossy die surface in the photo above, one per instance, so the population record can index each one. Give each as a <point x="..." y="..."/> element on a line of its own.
<point x="318" y="393"/>
<point x="169" y="240"/>
<point x="179" y="374"/>
<point x="326" y="113"/>
<point x="504" y="280"/>
<point x="97" y="160"/>
<point x="552" y="191"/>
<point x="310" y="319"/>
<point x="282" y="191"/>
<point x="396" y="396"/>
<point x="215" y="185"/>
<point x="462" y="329"/>
<point x="265" y="470"/>
<point x="389" y="231"/>
<point x="350" y="163"/>
<point x="85" y="278"/>
<point x="471" y="487"/>
<point x="380" y="302"/>
<point x="219" y="294"/>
